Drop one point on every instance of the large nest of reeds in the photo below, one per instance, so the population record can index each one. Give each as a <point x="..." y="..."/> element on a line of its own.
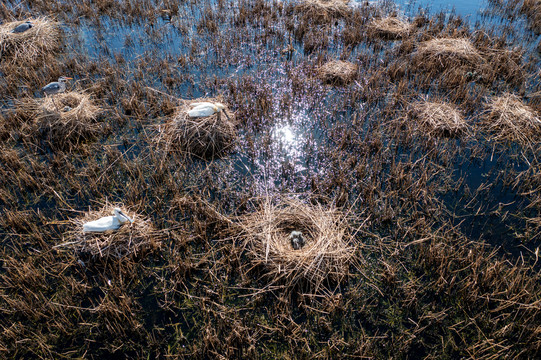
<point x="130" y="239"/>
<point x="457" y="56"/>
<point x="327" y="252"/>
<point x="438" y="118"/>
<point x="205" y="137"/>
<point x="391" y="28"/>
<point x="508" y="118"/>
<point x="65" y="120"/>
<point x="338" y="72"/>
<point x="322" y="11"/>
<point x="42" y="37"/>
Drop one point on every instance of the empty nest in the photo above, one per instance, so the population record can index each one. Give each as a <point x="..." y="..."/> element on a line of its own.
<point x="323" y="10"/>
<point x="389" y="28"/>
<point x="338" y="72"/>
<point x="439" y="119"/>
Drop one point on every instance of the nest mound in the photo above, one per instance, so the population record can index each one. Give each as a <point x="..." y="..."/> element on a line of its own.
<point x="448" y="53"/>
<point x="65" y="119"/>
<point x="323" y="10"/>
<point x="391" y="28"/>
<point x="129" y="239"/>
<point x="338" y="72"/>
<point x="42" y="37"/>
<point x="436" y="118"/>
<point x="326" y="254"/>
<point x="507" y="118"/>
<point x="205" y="137"/>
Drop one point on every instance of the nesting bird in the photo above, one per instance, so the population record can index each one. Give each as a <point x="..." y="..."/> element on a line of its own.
<point x="108" y="222"/>
<point x="203" y="109"/>
<point x="56" y="87"/>
<point x="22" y="27"/>
<point x="297" y="240"/>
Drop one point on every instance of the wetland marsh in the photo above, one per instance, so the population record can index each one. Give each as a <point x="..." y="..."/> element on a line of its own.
<point x="397" y="141"/>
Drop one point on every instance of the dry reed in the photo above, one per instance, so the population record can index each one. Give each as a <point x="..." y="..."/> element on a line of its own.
<point x="507" y="118"/>
<point x="205" y="137"/>
<point x="448" y="53"/>
<point x="129" y="239"/>
<point x="42" y="37"/>
<point x="338" y="72"/>
<point x="327" y="252"/>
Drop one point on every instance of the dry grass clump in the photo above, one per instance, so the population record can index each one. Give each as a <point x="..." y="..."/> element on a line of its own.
<point x="447" y="53"/>
<point x="42" y="37"/>
<point x="129" y="239"/>
<point x="390" y="27"/>
<point x="338" y="72"/>
<point x="436" y="118"/>
<point x="323" y="10"/>
<point x="326" y="254"/>
<point x="507" y="118"/>
<point x="205" y="137"/>
<point x="65" y="119"/>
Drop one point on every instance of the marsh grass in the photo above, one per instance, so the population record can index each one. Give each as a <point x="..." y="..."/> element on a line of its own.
<point x="322" y="11"/>
<point x="438" y="118"/>
<point x="26" y="47"/>
<point x="391" y="28"/>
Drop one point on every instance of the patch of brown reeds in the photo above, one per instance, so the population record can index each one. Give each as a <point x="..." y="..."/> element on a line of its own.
<point x="322" y="11"/>
<point x="508" y="118"/>
<point x="532" y="9"/>
<point x="205" y="137"/>
<point x="338" y="72"/>
<point x="438" y="118"/>
<point x="391" y="28"/>
<point x="65" y="119"/>
<point x="129" y="239"/>
<point x="42" y="37"/>
<point x="326" y="254"/>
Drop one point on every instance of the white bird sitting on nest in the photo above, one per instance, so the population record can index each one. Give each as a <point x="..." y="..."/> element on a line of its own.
<point x="203" y="109"/>
<point x="107" y="222"/>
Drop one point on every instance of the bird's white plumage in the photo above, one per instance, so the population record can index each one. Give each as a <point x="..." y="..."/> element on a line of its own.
<point x="107" y="222"/>
<point x="202" y="109"/>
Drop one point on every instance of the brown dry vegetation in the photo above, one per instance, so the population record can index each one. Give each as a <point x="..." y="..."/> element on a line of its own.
<point x="338" y="72"/>
<point x="389" y="28"/>
<point x="417" y="246"/>
<point x="322" y="11"/>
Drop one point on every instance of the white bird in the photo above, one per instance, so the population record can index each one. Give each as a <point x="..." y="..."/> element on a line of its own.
<point x="107" y="222"/>
<point x="56" y="86"/>
<point x="202" y="109"/>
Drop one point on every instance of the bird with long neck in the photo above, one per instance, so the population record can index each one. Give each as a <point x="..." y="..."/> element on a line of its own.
<point x="108" y="222"/>
<point x="56" y="87"/>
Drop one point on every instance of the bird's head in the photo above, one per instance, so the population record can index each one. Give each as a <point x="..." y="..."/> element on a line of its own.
<point x="219" y="106"/>
<point x="64" y="79"/>
<point x="120" y="214"/>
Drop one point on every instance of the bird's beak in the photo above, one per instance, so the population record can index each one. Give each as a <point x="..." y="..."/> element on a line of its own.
<point x="126" y="216"/>
<point x="68" y="78"/>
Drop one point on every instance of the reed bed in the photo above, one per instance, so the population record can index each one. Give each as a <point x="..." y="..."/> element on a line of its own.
<point x="43" y="37"/>
<point x="205" y="137"/>
<point x="532" y="9"/>
<point x="326" y="255"/>
<point x="65" y="120"/>
<point x="131" y="239"/>
<point x="508" y="118"/>
<point x="391" y="28"/>
<point x="338" y="72"/>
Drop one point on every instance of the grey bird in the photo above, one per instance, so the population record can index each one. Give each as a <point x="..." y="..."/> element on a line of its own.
<point x="22" y="27"/>
<point x="56" y="87"/>
<point x="297" y="240"/>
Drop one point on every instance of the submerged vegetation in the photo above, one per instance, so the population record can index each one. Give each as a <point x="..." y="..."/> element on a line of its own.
<point x="399" y="150"/>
